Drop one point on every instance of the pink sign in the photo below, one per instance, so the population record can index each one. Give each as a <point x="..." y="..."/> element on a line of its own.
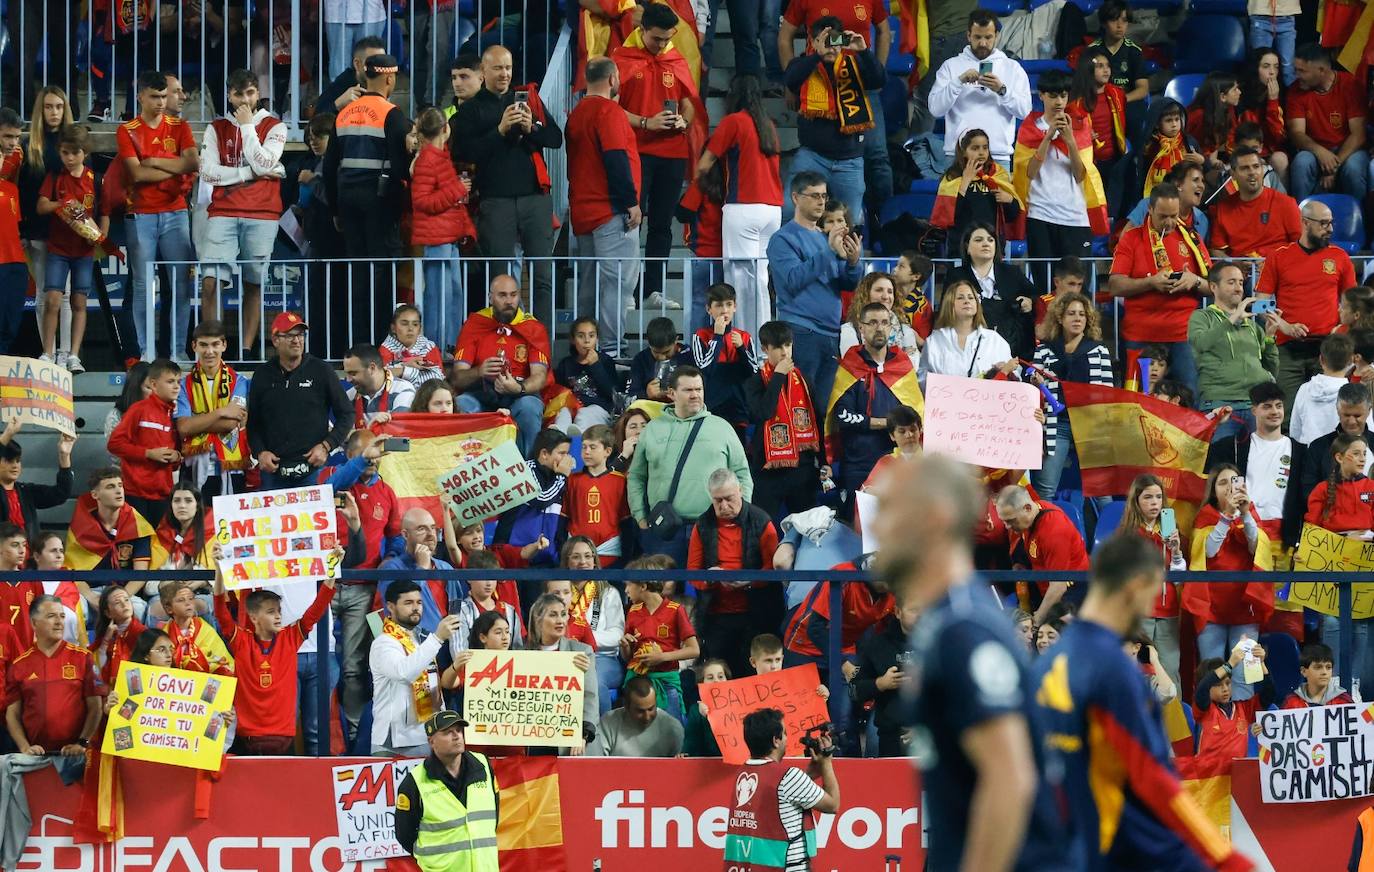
<point x="984" y="422"/>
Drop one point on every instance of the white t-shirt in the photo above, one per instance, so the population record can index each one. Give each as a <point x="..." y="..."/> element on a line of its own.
<point x="797" y="795"/>
<point x="1056" y="197"/>
<point x="1268" y="474"/>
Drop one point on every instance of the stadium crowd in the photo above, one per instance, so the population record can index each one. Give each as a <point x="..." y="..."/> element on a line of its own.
<point x="742" y="443"/>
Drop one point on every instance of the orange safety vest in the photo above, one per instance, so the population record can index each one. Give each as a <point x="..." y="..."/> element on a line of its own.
<point x="361" y="129"/>
<point x="1366" y="822"/>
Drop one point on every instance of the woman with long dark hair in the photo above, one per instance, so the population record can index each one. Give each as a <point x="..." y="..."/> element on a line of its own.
<point x="746" y="142"/>
<point x="1008" y="297"/>
<point x="1212" y="118"/>
<point x="1093" y="95"/>
<point x="136" y="387"/>
<point x="1261" y="102"/>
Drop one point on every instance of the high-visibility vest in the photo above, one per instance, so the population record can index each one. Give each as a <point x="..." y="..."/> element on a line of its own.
<point x="361" y="129"/>
<point x="454" y="837"/>
<point x="1366" y="823"/>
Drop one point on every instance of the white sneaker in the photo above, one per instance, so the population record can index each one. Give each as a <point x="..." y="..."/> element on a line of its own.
<point x="656" y="300"/>
<point x="61" y="359"/>
<point x="74" y="365"/>
<point x="47" y="358"/>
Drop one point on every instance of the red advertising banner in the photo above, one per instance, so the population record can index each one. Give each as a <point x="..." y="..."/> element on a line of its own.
<point x="278" y="814"/>
<point x="1279" y="836"/>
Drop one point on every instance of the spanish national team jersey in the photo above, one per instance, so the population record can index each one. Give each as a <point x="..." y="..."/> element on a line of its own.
<point x="970" y="669"/>
<point x="1128" y="811"/>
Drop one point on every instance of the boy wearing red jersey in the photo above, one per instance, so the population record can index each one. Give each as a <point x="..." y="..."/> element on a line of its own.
<point x="658" y="636"/>
<point x="14" y="271"/>
<point x="595" y="499"/>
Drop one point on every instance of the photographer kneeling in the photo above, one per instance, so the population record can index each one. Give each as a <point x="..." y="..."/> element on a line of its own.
<point x="770" y="822"/>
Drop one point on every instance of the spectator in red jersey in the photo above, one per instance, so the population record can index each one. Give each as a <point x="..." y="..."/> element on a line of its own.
<point x="53" y="706"/>
<point x="1223" y="722"/>
<point x="786" y="453"/>
<point x="146" y="443"/>
<point x="158" y="154"/>
<point x="732" y="535"/>
<point x="1160" y="268"/>
<point x="863" y="606"/>
<point x="14" y="271"/>
<point x="197" y="646"/>
<point x="484" y="596"/>
<point x="117" y="630"/>
<point x="241" y="160"/>
<point x="700" y="211"/>
<point x="1212" y="119"/>
<point x="1305" y="279"/>
<point x="21" y="501"/>
<point x="595" y="500"/>
<point x="1319" y="686"/>
<point x="1326" y="127"/>
<point x="412" y="356"/>
<point x="374" y="392"/>
<point x="1095" y="95"/>
<point x="70" y="195"/>
<point x="265" y="655"/>
<point x="16" y="597"/>
<point x="1043" y="539"/>
<point x="1344" y="504"/>
<point x="1255" y="220"/>
<point x="658" y="635"/>
<point x="603" y="197"/>
<point x="747" y="143"/>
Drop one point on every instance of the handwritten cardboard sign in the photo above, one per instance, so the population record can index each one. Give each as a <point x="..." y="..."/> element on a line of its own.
<point x="365" y="803"/>
<point x="169" y="716"/>
<point x="1316" y="753"/>
<point x="489" y="484"/>
<point x="282" y="536"/>
<point x="37" y="393"/>
<point x="791" y="691"/>
<point x="523" y="698"/>
<point x="983" y="422"/>
<point x="1323" y="551"/>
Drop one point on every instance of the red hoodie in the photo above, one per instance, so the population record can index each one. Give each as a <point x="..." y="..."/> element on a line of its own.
<point x="1354" y="508"/>
<point x="437" y="200"/>
<point x="147" y="424"/>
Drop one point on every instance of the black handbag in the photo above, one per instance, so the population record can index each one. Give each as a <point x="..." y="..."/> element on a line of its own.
<point x="663" y="518"/>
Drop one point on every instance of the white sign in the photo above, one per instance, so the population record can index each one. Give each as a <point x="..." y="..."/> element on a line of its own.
<point x="1316" y="753"/>
<point x="276" y="536"/>
<point x="365" y="802"/>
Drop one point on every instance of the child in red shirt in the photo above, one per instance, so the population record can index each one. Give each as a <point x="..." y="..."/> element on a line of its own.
<point x="596" y="501"/>
<point x="1344" y="503"/>
<point x="14" y="272"/>
<point x="658" y="636"/>
<point x="1223" y="725"/>
<point x="265" y="658"/>
<point x="146" y="443"/>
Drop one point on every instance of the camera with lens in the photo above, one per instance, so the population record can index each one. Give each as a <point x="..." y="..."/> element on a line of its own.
<point x="811" y="740"/>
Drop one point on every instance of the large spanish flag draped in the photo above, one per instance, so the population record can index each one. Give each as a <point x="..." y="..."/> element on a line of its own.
<point x="1207" y="779"/>
<point x="681" y="62"/>
<point x="1121" y="434"/>
<point x="529" y="835"/>
<point x="438" y="443"/>
<point x="913" y="37"/>
<point x="531" y="332"/>
<point x="88" y="544"/>
<point x="1224" y="602"/>
<point x="897" y="373"/>
<point x="1346" y="25"/>
<point x="1028" y="139"/>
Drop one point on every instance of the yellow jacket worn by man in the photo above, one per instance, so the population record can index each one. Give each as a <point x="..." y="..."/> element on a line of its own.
<point x="447" y="807"/>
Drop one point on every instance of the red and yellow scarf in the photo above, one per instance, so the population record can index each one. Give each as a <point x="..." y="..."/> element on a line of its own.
<point x="1028" y="140"/>
<point x="792" y="429"/>
<point x="420" y="692"/>
<point x="947" y="196"/>
<point x="836" y="92"/>
<point x="1202" y="262"/>
<point x="1116" y="103"/>
<point x="1170" y="150"/>
<point x="206" y="395"/>
<point x="199" y="649"/>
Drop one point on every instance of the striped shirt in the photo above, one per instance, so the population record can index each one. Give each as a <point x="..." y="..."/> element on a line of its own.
<point x="1099" y="373"/>
<point x="797" y="795"/>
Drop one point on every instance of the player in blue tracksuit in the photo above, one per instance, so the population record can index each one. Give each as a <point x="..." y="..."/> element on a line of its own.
<point x="989" y="799"/>
<point x="1128" y="811"/>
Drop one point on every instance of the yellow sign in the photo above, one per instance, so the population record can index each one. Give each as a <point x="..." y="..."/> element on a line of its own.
<point x="1323" y="551"/>
<point x="169" y="716"/>
<point x="523" y="698"/>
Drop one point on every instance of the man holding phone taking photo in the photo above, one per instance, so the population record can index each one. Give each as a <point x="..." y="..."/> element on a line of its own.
<point x="1233" y="342"/>
<point x="981" y="88"/>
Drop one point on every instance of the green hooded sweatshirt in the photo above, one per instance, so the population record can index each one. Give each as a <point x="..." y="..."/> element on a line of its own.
<point x="656" y="456"/>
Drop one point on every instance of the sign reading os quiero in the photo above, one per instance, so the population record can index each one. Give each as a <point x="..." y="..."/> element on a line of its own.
<point x="523" y="698"/>
<point x="277" y="536"/>
<point x="169" y="716"/>
<point x="489" y="484"/>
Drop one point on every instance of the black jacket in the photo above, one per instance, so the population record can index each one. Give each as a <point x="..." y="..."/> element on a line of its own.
<point x="33" y="497"/>
<point x="762" y="402"/>
<point x="505" y="164"/>
<point x="292" y="411"/>
<point x="409" y="814"/>
<point x="335" y="89"/>
<point x="1002" y="312"/>
<point x="879" y="650"/>
<point x="822" y="135"/>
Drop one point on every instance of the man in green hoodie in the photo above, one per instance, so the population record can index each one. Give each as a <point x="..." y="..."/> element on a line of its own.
<point x="656" y="476"/>
<point x="1233" y="350"/>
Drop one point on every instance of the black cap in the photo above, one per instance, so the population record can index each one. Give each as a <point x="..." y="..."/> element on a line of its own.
<point x="380" y="65"/>
<point x="442" y="721"/>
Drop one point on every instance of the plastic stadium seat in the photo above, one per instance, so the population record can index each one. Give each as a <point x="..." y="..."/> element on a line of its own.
<point x="925" y="186"/>
<point x="1002" y="7"/>
<point x="917" y="205"/>
<point x="1108" y="521"/>
<point x="1184" y="88"/>
<point x="1160" y="5"/>
<point x="1209" y="42"/>
<point x="1016" y="248"/>
<point x="900" y="64"/>
<point x="1281" y="656"/>
<point x="1074" y="514"/>
<point x="1217" y="7"/>
<point x="1348" y="230"/>
<point x="1037" y="67"/>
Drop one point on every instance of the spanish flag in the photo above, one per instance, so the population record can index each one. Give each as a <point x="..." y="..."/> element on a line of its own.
<point x="1228" y="602"/>
<point x="914" y="36"/>
<point x="1176" y="728"/>
<point x="532" y="341"/>
<point x="1028" y="139"/>
<point x="897" y="373"/>
<point x="1346" y="25"/>
<point x="88" y="545"/>
<point x="600" y="33"/>
<point x="1207" y="779"/>
<point x="1121" y="434"/>
<point x="681" y="62"/>
<point x="438" y="443"/>
<point x="947" y="196"/>
<point x="1116" y="105"/>
<point x="529" y="835"/>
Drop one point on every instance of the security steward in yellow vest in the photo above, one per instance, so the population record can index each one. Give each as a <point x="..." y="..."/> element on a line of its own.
<point x="367" y="162"/>
<point x="447" y="807"/>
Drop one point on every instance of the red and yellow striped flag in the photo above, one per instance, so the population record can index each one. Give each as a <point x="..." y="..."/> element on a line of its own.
<point x="438" y="443"/>
<point x="529" y="836"/>
<point x="913" y="36"/>
<point x="1207" y="779"/>
<point x="1121" y="434"/>
<point x="1265" y="753"/>
<point x="1368" y="714"/>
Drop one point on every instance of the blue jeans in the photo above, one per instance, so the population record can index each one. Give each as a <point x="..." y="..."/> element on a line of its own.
<point x="527" y="411"/>
<point x="816" y="355"/>
<point x="14" y="287"/>
<point x="770" y="14"/>
<point x="340" y="37"/>
<point x="1182" y="364"/>
<point x="307" y="670"/>
<point x="844" y="178"/>
<point x="1217" y="640"/>
<point x="745" y="27"/>
<point x="877" y="164"/>
<point x="1241" y="423"/>
<point x="443" y="301"/>
<point x="610" y="675"/>
<point x="165" y="235"/>
<point x="1361" y="671"/>
<point x="1279" y="32"/>
<point x="1352" y="177"/>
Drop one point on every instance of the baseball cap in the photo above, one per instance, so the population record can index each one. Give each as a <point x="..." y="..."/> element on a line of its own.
<point x="380" y="65"/>
<point x="442" y="721"/>
<point x="288" y="321"/>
